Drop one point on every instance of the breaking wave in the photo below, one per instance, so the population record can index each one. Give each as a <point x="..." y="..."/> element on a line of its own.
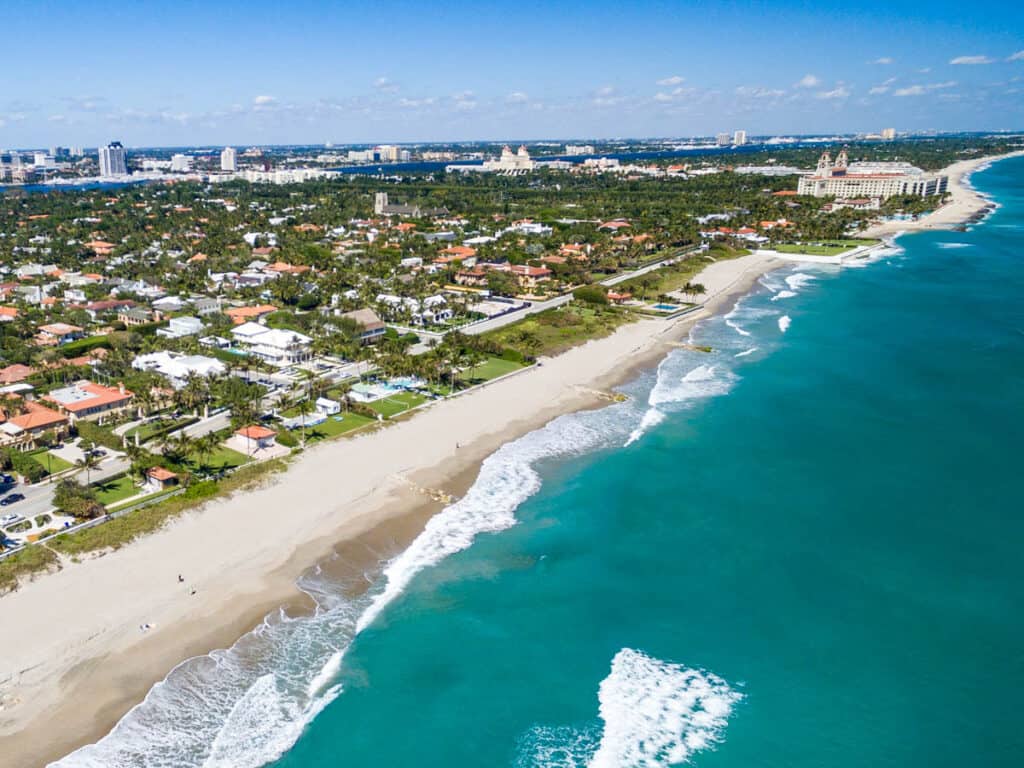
<point x="784" y="323"/>
<point x="654" y="714"/>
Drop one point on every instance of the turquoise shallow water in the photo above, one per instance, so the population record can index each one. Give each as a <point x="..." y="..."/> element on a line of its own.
<point x="800" y="550"/>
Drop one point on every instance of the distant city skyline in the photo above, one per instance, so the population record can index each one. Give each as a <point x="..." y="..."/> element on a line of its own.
<point x="312" y="72"/>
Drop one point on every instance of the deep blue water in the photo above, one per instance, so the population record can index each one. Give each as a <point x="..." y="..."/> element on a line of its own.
<point x="801" y="549"/>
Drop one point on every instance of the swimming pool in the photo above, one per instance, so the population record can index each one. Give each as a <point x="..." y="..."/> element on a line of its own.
<point x="666" y="307"/>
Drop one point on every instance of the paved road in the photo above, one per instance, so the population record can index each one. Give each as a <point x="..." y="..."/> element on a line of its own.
<point x="39" y="498"/>
<point x="541" y="306"/>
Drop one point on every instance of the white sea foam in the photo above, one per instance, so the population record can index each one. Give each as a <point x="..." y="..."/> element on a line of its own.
<point x="948" y="246"/>
<point x="746" y="352"/>
<point x="799" y="280"/>
<point x="507" y="478"/>
<point x="737" y="328"/>
<point x="654" y="714"/>
<point x="674" y="389"/>
<point x="783" y="295"/>
<point x="657" y="714"/>
<point x="784" y="323"/>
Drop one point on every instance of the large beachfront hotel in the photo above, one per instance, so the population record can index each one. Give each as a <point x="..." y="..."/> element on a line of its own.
<point x="844" y="179"/>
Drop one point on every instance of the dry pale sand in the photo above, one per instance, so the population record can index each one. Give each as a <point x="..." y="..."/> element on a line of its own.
<point x="73" y="658"/>
<point x="964" y="202"/>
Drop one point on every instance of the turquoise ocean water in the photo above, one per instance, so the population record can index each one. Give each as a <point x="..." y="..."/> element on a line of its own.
<point x="801" y="549"/>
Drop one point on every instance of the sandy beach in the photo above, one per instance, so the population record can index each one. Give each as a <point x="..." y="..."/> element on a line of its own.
<point x="964" y="202"/>
<point x="76" y="635"/>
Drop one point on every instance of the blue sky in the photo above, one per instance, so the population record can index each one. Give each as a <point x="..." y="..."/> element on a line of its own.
<point x="182" y="73"/>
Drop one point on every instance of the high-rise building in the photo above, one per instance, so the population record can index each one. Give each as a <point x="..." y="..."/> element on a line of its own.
<point x="59" y="152"/>
<point x="113" y="160"/>
<point x="229" y="159"/>
<point x="77" y="152"/>
<point x="739" y="138"/>
<point x="888" y="134"/>
<point x="723" y="140"/>
<point x="181" y="163"/>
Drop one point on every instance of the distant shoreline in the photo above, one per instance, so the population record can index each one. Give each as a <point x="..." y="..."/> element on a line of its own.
<point x="965" y="202"/>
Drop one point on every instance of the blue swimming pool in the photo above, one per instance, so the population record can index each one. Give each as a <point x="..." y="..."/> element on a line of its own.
<point x="666" y="307"/>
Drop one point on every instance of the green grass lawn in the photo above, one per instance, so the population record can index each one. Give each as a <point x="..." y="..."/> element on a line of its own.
<point x="116" y="489"/>
<point x="332" y="428"/>
<point x="220" y="459"/>
<point x="491" y="368"/>
<point x="827" y="248"/>
<point x="151" y="428"/>
<point x="53" y="464"/>
<point x="397" y="403"/>
<point x="556" y="330"/>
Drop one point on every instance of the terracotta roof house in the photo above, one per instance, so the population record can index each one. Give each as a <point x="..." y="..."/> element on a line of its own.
<point x="12" y="374"/>
<point x="241" y="315"/>
<point x="89" y="401"/>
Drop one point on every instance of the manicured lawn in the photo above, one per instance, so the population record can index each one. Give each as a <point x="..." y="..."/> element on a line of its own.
<point x="487" y="370"/>
<point x="116" y="489"/>
<point x="829" y="248"/>
<point x="50" y="462"/>
<point x="556" y="330"/>
<point x="332" y="428"/>
<point x="150" y="428"/>
<point x="220" y="459"/>
<point x="397" y="403"/>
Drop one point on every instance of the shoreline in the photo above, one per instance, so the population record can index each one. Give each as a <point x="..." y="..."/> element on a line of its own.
<point x="245" y="571"/>
<point x="97" y="606"/>
<point x="964" y="204"/>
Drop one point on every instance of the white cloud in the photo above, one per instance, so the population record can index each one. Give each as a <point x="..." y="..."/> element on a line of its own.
<point x="757" y="92"/>
<point x="839" y="92"/>
<point x="262" y="100"/>
<point x="676" y="93"/>
<point x="405" y="103"/>
<point x="465" y="101"/>
<point x="517" y="97"/>
<point x="971" y="60"/>
<point x="56" y="118"/>
<point x="673" y="80"/>
<point x="884" y="60"/>
<point x="921" y="90"/>
<point x="385" y="84"/>
<point x="807" y="81"/>
<point x="882" y="87"/>
<point x="605" y="96"/>
<point x="1018" y="56"/>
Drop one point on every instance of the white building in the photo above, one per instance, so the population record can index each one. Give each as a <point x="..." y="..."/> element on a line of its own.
<point x="181" y="326"/>
<point x="177" y="367"/>
<point x="572" y="150"/>
<point x="229" y="159"/>
<point x="274" y="345"/>
<point x="739" y="138"/>
<point x="181" y="163"/>
<point x="868" y="180"/>
<point x="723" y="140"/>
<point x="888" y="134"/>
<point x="113" y="160"/>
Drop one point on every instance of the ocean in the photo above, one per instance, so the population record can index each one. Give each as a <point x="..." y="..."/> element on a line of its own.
<point x="799" y="549"/>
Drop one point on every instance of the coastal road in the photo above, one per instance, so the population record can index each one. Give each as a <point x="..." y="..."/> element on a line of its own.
<point x="39" y="498"/>
<point x="542" y="306"/>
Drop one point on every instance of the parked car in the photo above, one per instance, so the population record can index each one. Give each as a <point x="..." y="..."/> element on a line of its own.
<point x="6" y="479"/>
<point x="97" y="452"/>
<point x="11" y="498"/>
<point x="10" y="519"/>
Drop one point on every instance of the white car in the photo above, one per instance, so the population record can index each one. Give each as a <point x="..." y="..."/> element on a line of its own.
<point x="11" y="519"/>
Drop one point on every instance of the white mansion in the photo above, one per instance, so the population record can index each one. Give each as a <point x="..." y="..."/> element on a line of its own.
<point x="883" y="180"/>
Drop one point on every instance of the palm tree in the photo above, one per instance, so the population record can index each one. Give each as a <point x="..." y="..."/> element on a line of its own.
<point x="205" y="446"/>
<point x="88" y="462"/>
